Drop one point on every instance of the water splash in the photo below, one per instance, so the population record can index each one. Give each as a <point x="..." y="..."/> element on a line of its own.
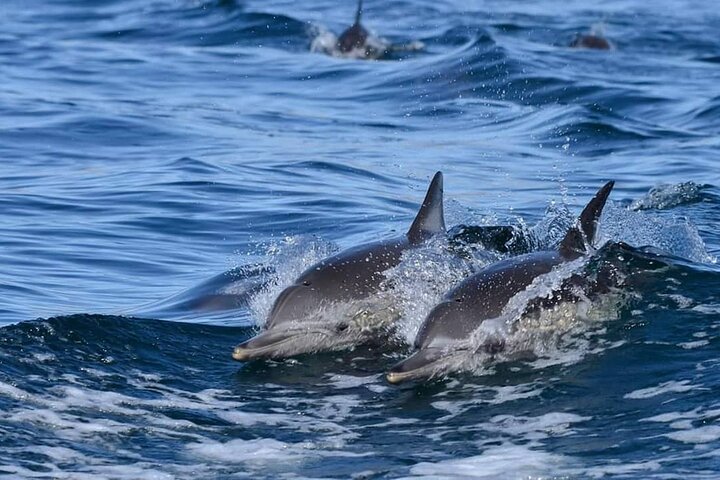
<point x="325" y="41"/>
<point x="668" y="196"/>
<point x="289" y="257"/>
<point x="375" y="48"/>
<point x="420" y="280"/>
<point x="675" y="235"/>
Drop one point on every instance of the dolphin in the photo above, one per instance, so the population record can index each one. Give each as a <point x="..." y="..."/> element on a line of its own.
<point x="358" y="43"/>
<point x="591" y="41"/>
<point x="354" y="37"/>
<point x="342" y="301"/>
<point x="442" y="341"/>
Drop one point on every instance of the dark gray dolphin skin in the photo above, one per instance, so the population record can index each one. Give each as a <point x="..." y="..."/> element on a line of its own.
<point x="483" y="296"/>
<point x="591" y="41"/>
<point x="354" y="278"/>
<point x="355" y="36"/>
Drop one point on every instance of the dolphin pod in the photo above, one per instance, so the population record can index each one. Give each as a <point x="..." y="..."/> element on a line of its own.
<point x="342" y="301"/>
<point x="338" y="303"/>
<point x="442" y="339"/>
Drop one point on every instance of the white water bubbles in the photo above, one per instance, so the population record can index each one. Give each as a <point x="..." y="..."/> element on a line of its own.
<point x="668" y="196"/>
<point x="423" y="276"/>
<point x="672" y="234"/>
<point x="547" y="233"/>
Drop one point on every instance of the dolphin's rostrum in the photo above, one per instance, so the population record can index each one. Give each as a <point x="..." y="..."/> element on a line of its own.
<point x="441" y="342"/>
<point x="341" y="301"/>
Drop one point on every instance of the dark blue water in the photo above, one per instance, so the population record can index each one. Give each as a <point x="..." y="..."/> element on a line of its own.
<point x="169" y="165"/>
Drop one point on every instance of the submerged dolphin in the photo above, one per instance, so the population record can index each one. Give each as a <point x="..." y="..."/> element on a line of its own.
<point x="442" y="339"/>
<point x="337" y="303"/>
<point x="591" y="41"/>
<point x="354" y="37"/>
<point x="358" y="43"/>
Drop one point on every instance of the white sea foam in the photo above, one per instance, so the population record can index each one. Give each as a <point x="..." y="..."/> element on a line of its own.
<point x="694" y="344"/>
<point x="11" y="391"/>
<point x="685" y="425"/>
<point x="74" y="414"/>
<point x="92" y="471"/>
<point x="551" y="424"/>
<point x="670" y="416"/>
<point x="43" y="357"/>
<point x="259" y="451"/>
<point x="611" y="469"/>
<point x="264" y="452"/>
<point x="706" y="434"/>
<point x="342" y="382"/>
<point x="486" y="396"/>
<point x="507" y="461"/>
<point x="707" y="309"/>
<point x="681" y="302"/>
<point x="662" y="389"/>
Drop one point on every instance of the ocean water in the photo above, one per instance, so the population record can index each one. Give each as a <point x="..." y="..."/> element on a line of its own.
<point x="169" y="165"/>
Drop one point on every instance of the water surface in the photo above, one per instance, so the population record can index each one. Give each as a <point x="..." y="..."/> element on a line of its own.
<point x="150" y="146"/>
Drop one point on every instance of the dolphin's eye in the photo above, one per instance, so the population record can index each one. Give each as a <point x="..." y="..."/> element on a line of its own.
<point x="459" y="300"/>
<point x="306" y="283"/>
<point x="341" y="327"/>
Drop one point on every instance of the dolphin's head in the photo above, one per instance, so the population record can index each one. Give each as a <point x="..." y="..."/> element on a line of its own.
<point x="308" y="317"/>
<point x="343" y="301"/>
<point x="290" y="329"/>
<point x="439" y="345"/>
<point x="287" y="341"/>
<point x="334" y="304"/>
<point x="426" y="364"/>
<point x="446" y="342"/>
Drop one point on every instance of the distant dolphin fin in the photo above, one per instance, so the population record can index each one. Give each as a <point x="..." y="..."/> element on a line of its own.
<point x="358" y="13"/>
<point x="430" y="220"/>
<point x="584" y="233"/>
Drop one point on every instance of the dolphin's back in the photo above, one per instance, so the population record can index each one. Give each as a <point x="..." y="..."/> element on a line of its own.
<point x="352" y="38"/>
<point x="356" y="272"/>
<point x="355" y="36"/>
<point x="352" y="274"/>
<point x="481" y="297"/>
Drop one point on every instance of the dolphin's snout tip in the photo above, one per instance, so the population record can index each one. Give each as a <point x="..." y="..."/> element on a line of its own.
<point x="400" y="373"/>
<point x="423" y="365"/>
<point x="394" y="377"/>
<point x="241" y="354"/>
<point x="266" y="345"/>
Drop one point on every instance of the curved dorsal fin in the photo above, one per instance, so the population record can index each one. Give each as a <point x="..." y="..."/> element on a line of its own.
<point x="430" y="220"/>
<point x="583" y="233"/>
<point x="358" y="13"/>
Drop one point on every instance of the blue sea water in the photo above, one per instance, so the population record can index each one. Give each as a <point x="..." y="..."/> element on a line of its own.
<point x="169" y="165"/>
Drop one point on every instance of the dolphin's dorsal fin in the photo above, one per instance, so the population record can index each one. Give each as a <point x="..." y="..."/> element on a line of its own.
<point x="430" y="220"/>
<point x="582" y="234"/>
<point x="358" y="13"/>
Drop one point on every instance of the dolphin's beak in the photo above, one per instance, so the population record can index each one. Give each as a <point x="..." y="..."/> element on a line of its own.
<point x="265" y="345"/>
<point x="423" y="365"/>
<point x="276" y="344"/>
